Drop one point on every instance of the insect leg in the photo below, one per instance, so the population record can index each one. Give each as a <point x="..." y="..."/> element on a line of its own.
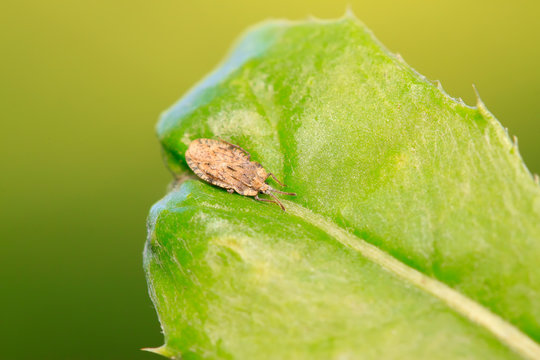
<point x="230" y="191"/>
<point x="279" y="182"/>
<point x="271" y="201"/>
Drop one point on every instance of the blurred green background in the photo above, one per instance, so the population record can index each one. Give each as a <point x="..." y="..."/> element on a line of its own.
<point x="82" y="86"/>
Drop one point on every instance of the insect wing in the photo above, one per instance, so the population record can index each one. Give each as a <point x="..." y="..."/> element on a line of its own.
<point x="240" y="176"/>
<point x="222" y="164"/>
<point x="208" y="172"/>
<point x="228" y="153"/>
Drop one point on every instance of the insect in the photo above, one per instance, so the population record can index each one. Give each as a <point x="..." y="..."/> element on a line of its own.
<point x="229" y="166"/>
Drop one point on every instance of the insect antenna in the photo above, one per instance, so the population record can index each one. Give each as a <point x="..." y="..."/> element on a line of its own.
<point x="281" y="192"/>
<point x="270" y="201"/>
<point x="278" y="202"/>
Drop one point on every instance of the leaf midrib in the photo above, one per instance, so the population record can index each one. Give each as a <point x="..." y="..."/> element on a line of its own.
<point x="507" y="333"/>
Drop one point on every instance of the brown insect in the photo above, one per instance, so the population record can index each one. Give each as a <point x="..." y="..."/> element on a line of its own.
<point x="229" y="166"/>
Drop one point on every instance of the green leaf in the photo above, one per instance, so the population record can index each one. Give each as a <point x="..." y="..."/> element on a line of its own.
<point x="415" y="233"/>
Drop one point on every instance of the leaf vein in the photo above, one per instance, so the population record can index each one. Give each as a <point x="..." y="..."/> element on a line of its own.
<point x="507" y="333"/>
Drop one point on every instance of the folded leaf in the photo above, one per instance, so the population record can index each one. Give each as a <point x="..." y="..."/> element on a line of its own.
<point x="415" y="232"/>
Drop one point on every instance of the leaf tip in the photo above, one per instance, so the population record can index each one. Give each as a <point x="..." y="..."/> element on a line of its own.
<point x="162" y="350"/>
<point x="480" y="104"/>
<point x="515" y="139"/>
<point x="349" y="13"/>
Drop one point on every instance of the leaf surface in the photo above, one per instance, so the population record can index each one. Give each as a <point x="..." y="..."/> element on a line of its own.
<point x="415" y="232"/>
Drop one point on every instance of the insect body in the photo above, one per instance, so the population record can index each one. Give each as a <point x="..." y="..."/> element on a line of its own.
<point x="229" y="166"/>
